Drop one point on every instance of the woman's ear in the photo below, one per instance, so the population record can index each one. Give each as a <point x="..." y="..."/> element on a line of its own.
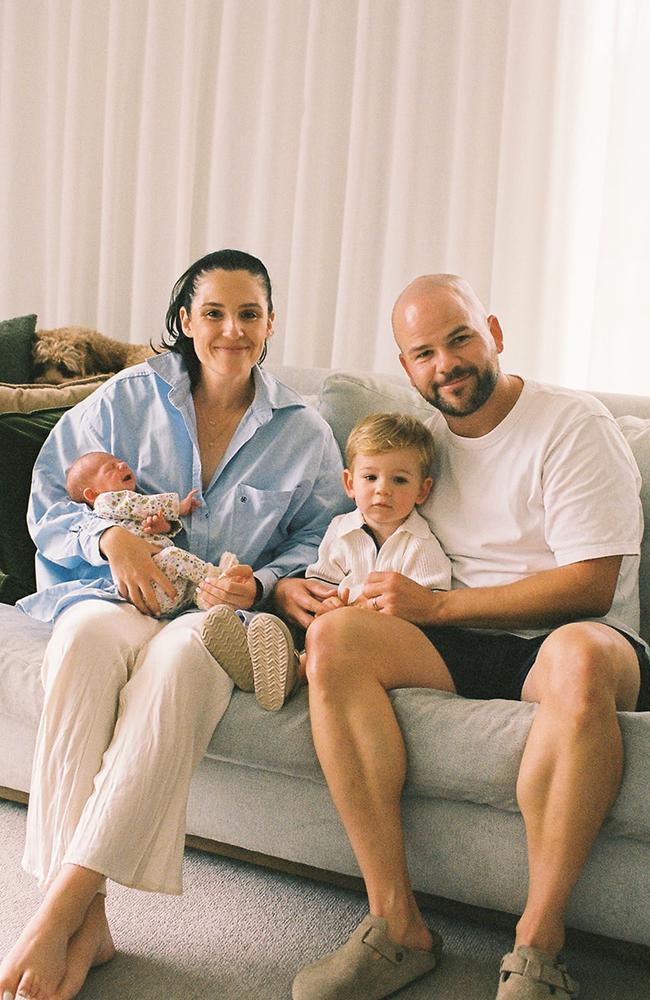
<point x="185" y="321"/>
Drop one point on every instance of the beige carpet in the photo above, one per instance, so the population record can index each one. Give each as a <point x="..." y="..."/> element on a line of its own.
<point x="241" y="933"/>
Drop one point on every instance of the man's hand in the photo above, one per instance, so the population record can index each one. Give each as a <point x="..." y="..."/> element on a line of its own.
<point x="396" y="594"/>
<point x="134" y="571"/>
<point x="299" y="600"/>
<point x="235" y="587"/>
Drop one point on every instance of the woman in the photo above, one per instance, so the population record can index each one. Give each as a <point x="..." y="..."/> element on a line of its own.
<point x="130" y="701"/>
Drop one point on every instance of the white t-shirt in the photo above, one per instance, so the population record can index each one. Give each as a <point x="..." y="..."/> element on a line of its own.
<point x="554" y="483"/>
<point x="348" y="553"/>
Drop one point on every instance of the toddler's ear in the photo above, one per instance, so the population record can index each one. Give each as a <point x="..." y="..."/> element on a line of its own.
<point x="347" y="483"/>
<point x="425" y="489"/>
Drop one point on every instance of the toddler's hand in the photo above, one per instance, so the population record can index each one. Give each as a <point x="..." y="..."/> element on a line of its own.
<point x="334" y="602"/>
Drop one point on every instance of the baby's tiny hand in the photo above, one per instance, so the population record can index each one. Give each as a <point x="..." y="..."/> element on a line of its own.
<point x="156" y="524"/>
<point x="189" y="503"/>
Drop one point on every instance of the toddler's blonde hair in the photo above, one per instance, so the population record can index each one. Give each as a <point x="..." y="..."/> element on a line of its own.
<point x="383" y="432"/>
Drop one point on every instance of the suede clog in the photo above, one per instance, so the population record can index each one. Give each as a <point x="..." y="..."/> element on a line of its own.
<point x="530" y="974"/>
<point x="369" y="966"/>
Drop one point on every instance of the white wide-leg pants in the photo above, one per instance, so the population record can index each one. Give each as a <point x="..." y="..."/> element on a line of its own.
<point x="130" y="705"/>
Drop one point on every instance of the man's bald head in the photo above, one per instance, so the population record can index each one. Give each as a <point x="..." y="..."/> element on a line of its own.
<point x="428" y="285"/>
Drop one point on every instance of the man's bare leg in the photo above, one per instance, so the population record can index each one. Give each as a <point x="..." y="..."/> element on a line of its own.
<point x="572" y="764"/>
<point x="65" y="937"/>
<point x="351" y="664"/>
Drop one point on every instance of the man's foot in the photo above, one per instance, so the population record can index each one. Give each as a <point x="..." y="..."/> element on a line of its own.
<point x="224" y="636"/>
<point x="530" y="974"/>
<point x="92" y="945"/>
<point x="275" y="661"/>
<point x="369" y="966"/>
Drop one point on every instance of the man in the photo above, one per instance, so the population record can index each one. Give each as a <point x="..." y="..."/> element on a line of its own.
<point x="536" y="503"/>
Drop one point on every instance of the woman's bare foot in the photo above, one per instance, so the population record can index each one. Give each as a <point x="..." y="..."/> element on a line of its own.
<point x="91" y="945"/>
<point x="45" y="965"/>
<point x="37" y="962"/>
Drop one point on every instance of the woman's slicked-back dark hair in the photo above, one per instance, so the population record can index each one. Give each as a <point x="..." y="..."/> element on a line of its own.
<point x="183" y="294"/>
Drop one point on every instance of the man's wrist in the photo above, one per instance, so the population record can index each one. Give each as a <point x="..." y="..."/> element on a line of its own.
<point x="441" y="608"/>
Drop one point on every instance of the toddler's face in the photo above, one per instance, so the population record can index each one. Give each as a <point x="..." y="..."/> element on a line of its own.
<point x="111" y="474"/>
<point x="387" y="487"/>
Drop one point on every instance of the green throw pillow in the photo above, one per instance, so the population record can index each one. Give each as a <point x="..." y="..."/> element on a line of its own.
<point x="346" y="398"/>
<point x="21" y="438"/>
<point x="16" y="337"/>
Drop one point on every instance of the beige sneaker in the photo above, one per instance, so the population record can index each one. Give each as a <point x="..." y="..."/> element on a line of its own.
<point x="224" y="637"/>
<point x="275" y="661"/>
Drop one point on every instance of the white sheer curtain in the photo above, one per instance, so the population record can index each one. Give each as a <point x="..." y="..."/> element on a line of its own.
<point x="352" y="144"/>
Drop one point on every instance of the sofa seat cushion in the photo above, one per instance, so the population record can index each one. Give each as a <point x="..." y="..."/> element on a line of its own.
<point x="23" y="644"/>
<point x="458" y="749"/>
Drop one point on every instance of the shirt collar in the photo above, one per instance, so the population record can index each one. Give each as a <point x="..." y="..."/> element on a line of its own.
<point x="270" y="394"/>
<point x="414" y="524"/>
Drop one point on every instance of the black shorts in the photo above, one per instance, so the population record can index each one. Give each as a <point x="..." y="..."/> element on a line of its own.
<point x="489" y="665"/>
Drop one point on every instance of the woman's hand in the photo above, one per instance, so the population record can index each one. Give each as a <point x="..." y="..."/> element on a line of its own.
<point x="299" y="600"/>
<point x="235" y="587"/>
<point x="134" y="571"/>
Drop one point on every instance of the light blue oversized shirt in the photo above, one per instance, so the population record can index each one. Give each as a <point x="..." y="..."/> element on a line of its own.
<point x="270" y="500"/>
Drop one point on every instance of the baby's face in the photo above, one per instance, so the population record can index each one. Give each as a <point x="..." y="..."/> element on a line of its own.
<point x="110" y="474"/>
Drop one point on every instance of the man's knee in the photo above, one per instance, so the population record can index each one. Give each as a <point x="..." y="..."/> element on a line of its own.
<point x="583" y="667"/>
<point x="334" y="645"/>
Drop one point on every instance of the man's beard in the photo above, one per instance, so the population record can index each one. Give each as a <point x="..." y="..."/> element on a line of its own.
<point x="484" y="385"/>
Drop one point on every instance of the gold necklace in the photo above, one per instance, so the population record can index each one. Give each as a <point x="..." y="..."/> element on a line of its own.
<point x="214" y="429"/>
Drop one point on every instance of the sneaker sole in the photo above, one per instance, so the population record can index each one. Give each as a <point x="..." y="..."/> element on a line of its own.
<point x="224" y="636"/>
<point x="271" y="651"/>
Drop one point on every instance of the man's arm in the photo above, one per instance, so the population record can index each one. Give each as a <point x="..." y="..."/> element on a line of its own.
<point x="547" y="599"/>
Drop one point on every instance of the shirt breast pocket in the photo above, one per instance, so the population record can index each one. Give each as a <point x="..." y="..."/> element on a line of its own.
<point x="258" y="518"/>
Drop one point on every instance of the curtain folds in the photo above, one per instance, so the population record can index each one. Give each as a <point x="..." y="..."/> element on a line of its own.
<point x="352" y="144"/>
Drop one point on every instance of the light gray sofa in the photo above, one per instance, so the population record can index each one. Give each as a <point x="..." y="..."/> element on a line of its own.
<point x="260" y="788"/>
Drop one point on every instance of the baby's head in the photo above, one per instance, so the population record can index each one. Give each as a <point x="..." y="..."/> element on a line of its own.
<point x="97" y="472"/>
<point x="388" y="463"/>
